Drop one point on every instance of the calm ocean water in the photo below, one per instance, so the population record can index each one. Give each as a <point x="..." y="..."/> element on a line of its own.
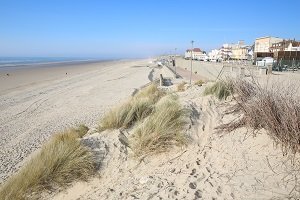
<point x="10" y="63"/>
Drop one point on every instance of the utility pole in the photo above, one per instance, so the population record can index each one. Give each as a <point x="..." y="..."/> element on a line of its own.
<point x="175" y="63"/>
<point x="192" y="50"/>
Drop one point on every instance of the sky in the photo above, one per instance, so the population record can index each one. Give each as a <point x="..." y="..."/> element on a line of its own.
<point x="138" y="28"/>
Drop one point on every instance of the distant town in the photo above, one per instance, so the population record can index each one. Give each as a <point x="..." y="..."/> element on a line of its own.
<point x="279" y="52"/>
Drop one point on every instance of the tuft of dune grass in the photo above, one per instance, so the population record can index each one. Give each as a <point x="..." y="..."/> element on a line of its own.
<point x="275" y="108"/>
<point x="220" y="89"/>
<point x="181" y="87"/>
<point x="81" y="130"/>
<point x="199" y="83"/>
<point x="163" y="129"/>
<point x="60" y="161"/>
<point x="132" y="111"/>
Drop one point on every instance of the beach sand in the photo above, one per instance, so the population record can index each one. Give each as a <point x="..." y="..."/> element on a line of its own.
<point x="214" y="165"/>
<point x="36" y="103"/>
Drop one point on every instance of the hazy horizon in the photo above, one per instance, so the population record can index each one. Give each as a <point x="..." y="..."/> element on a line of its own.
<point x="135" y="29"/>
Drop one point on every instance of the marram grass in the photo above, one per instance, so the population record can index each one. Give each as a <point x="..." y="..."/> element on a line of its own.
<point x="163" y="129"/>
<point x="220" y="89"/>
<point x="60" y="161"/>
<point x="132" y="111"/>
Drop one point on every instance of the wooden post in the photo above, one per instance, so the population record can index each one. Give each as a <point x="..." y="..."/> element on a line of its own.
<point x="161" y="80"/>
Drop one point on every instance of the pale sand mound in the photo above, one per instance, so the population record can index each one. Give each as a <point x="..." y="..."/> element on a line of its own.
<point x="213" y="166"/>
<point x="45" y="105"/>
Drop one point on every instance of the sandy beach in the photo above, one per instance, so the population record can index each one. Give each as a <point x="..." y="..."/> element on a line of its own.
<point x="36" y="103"/>
<point x="214" y="164"/>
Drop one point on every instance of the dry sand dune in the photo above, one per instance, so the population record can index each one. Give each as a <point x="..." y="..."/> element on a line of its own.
<point x="39" y="103"/>
<point x="213" y="166"/>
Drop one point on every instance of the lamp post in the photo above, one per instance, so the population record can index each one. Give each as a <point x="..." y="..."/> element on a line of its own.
<point x="192" y="61"/>
<point x="175" y="62"/>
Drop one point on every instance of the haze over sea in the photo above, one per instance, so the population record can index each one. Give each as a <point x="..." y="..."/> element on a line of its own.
<point x="12" y="63"/>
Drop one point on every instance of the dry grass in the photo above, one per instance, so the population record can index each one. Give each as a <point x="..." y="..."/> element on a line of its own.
<point x="220" y="89"/>
<point x="60" y="161"/>
<point x="81" y="130"/>
<point x="132" y="111"/>
<point x="181" y="87"/>
<point x="162" y="129"/>
<point x="275" y="108"/>
<point x="199" y="83"/>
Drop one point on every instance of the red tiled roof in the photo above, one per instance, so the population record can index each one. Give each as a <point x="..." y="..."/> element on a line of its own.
<point x="195" y="50"/>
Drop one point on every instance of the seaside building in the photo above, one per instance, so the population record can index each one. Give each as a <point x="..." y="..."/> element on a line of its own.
<point x="225" y="51"/>
<point x="195" y="54"/>
<point x="285" y="45"/>
<point x="284" y="52"/>
<point x="214" y="54"/>
<point x="240" y="51"/>
<point x="263" y="45"/>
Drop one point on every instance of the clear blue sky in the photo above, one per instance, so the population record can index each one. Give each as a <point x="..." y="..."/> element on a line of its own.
<point x="138" y="28"/>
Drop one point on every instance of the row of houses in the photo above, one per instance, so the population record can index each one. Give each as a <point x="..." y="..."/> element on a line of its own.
<point x="277" y="48"/>
<point x="238" y="51"/>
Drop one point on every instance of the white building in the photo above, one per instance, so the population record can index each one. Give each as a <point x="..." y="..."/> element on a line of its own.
<point x="214" y="54"/>
<point x="196" y="54"/>
<point x="226" y="51"/>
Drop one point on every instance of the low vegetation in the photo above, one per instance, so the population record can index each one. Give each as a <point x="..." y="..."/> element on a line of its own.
<point x="60" y="161"/>
<point x="275" y="108"/>
<point x="163" y="129"/>
<point x="199" y="83"/>
<point x="181" y="87"/>
<point x="220" y="89"/>
<point x="132" y="111"/>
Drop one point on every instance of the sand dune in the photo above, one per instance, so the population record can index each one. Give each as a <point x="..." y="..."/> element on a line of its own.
<point x="37" y="103"/>
<point x="214" y="165"/>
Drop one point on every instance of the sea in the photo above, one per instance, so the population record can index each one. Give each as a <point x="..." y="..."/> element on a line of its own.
<point x="12" y="63"/>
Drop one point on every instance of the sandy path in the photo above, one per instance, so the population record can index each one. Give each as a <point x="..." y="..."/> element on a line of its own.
<point x="29" y="115"/>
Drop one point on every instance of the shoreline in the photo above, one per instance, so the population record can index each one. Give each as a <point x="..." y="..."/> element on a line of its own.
<point x="45" y="64"/>
<point x="22" y="78"/>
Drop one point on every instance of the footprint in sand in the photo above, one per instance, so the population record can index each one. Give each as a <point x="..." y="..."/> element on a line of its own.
<point x="198" y="194"/>
<point x="193" y="172"/>
<point x="193" y="185"/>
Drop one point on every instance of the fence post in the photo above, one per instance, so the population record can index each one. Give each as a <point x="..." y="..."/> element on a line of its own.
<point x="161" y="80"/>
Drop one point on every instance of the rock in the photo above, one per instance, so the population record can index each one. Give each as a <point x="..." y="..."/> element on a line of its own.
<point x="123" y="139"/>
<point x="98" y="147"/>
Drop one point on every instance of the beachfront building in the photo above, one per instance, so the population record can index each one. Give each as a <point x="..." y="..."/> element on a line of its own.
<point x="195" y="54"/>
<point x="214" y="55"/>
<point x="285" y="45"/>
<point x="240" y="51"/>
<point x="225" y="51"/>
<point x="263" y="44"/>
<point x="286" y="52"/>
